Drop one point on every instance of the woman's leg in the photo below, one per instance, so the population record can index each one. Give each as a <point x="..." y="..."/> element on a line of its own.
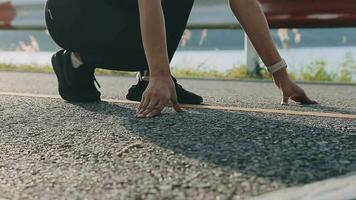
<point x="126" y="51"/>
<point x="106" y="34"/>
<point x="251" y="17"/>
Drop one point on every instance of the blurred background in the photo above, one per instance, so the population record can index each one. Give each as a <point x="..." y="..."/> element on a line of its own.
<point x="320" y="54"/>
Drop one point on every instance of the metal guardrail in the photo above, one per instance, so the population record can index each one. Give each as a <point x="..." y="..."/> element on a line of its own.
<point x="28" y="15"/>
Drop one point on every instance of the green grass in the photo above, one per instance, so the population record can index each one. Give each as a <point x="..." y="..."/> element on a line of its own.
<point x="48" y="69"/>
<point x="315" y="71"/>
<point x="25" y="68"/>
<point x="237" y="73"/>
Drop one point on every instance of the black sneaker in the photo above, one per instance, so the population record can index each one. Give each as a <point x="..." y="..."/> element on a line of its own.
<point x="75" y="85"/>
<point x="184" y="97"/>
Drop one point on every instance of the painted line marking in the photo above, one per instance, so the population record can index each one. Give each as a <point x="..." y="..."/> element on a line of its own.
<point x="340" y="188"/>
<point x="209" y="107"/>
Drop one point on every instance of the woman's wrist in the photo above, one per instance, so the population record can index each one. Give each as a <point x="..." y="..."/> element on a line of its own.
<point x="160" y="73"/>
<point x="281" y="77"/>
<point x="281" y="73"/>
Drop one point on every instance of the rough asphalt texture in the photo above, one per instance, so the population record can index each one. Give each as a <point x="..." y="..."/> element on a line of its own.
<point x="50" y="149"/>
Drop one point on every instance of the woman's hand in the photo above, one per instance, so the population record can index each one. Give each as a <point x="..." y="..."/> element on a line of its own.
<point x="159" y="93"/>
<point x="290" y="90"/>
<point x="161" y="89"/>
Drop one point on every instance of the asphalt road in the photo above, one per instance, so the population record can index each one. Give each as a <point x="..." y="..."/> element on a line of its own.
<point x="50" y="149"/>
<point x="332" y="98"/>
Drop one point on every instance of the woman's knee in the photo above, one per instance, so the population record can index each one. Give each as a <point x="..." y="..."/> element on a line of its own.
<point x="62" y="20"/>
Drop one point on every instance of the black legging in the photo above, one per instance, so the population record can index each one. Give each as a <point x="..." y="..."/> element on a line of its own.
<point x="107" y="32"/>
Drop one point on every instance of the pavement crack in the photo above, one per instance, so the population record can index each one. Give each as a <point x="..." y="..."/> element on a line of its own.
<point x="127" y="148"/>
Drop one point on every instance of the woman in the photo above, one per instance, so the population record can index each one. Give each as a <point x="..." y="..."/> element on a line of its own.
<point x="107" y="34"/>
<point x="161" y="24"/>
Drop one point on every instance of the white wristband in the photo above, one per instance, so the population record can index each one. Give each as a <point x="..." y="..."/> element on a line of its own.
<point x="276" y="67"/>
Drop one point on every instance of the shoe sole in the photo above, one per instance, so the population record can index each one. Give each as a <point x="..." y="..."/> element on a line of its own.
<point x="58" y="70"/>
<point x="138" y="99"/>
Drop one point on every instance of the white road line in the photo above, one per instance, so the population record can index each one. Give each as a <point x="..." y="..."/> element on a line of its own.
<point x="341" y="188"/>
<point x="210" y="107"/>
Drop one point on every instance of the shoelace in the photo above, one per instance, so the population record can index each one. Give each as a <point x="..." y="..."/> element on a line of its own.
<point x="97" y="82"/>
<point x="141" y="81"/>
